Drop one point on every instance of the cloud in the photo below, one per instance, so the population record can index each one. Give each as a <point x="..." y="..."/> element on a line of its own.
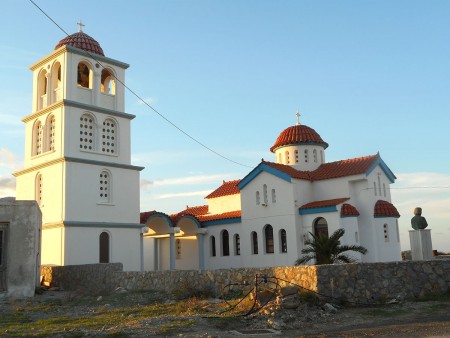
<point x="181" y="181"/>
<point x="8" y="159"/>
<point x="184" y="194"/>
<point x="7" y="186"/>
<point x="147" y="100"/>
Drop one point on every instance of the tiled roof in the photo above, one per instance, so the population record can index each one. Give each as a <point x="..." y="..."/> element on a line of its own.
<point x="298" y="134"/>
<point x="225" y="215"/>
<point x="385" y="209"/>
<point x="330" y="170"/>
<point x="353" y="166"/>
<point x="348" y="210"/>
<point x="324" y="203"/>
<point x="145" y="215"/>
<point x="83" y="41"/>
<point x="227" y="188"/>
<point x="193" y="211"/>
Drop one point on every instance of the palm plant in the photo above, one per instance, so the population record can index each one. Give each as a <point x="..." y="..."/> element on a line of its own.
<point x="328" y="250"/>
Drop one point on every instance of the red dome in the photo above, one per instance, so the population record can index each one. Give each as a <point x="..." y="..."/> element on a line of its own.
<point x="298" y="134"/>
<point x="385" y="209"/>
<point x="82" y="41"/>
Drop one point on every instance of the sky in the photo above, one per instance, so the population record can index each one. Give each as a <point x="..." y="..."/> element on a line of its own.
<point x="368" y="76"/>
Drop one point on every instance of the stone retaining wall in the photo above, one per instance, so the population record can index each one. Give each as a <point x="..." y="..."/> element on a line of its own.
<point x="359" y="282"/>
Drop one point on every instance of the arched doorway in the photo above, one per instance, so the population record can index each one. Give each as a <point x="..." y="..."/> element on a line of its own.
<point x="321" y="227"/>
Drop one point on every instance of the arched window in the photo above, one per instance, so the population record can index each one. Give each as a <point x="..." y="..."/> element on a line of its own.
<point x="87" y="132"/>
<point x="84" y="78"/>
<point x="104" y="247"/>
<point x="108" y="82"/>
<point x="315" y="155"/>
<point x="225" y="243"/>
<point x="379" y="185"/>
<point x="42" y="89"/>
<point x="38" y="132"/>
<point x="283" y="241"/>
<point x="56" y="83"/>
<point x="51" y="132"/>
<point x="38" y="189"/>
<point x="258" y="199"/>
<point x="375" y="188"/>
<point x="306" y="156"/>
<point x="287" y="157"/>
<point x="268" y="238"/>
<point x="105" y="187"/>
<point x="384" y="189"/>
<point x="274" y="196"/>
<point x="213" y="246"/>
<point x="280" y="160"/>
<point x="254" y="237"/>
<point x="237" y="245"/>
<point x="109" y="134"/>
<point x="266" y="199"/>
<point x="321" y="227"/>
<point x="296" y="156"/>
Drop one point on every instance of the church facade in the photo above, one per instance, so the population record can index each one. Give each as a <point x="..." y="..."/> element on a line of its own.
<point x="264" y="218"/>
<point x="77" y="158"/>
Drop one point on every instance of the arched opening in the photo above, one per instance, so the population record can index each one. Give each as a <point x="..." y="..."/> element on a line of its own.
<point x="225" y="243"/>
<point x="104" y="247"/>
<point x="84" y="75"/>
<point x="283" y="241"/>
<point x="321" y="227"/>
<point x="268" y="238"/>
<point x="315" y="155"/>
<point x="108" y="83"/>
<point x="254" y="237"/>
<point x="42" y="89"/>
<point x="38" y="189"/>
<point x="56" y="83"/>
<point x="38" y="138"/>
<point x="266" y="199"/>
<point x="105" y="186"/>
<point x="109" y="134"/>
<point x="87" y="132"/>
<point x="50" y="132"/>
<point x="213" y="246"/>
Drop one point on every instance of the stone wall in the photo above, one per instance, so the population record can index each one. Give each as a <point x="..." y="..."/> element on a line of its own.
<point x="359" y="282"/>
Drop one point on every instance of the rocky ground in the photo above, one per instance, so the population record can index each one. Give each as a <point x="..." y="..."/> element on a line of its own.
<point x="141" y="314"/>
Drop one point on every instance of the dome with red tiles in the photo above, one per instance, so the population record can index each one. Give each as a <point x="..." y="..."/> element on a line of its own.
<point x="82" y="41"/>
<point x="298" y="134"/>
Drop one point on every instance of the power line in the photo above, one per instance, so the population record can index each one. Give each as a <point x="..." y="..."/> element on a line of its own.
<point x="144" y="102"/>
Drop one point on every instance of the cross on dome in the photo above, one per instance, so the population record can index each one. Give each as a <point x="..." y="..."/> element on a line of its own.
<point x="80" y="26"/>
<point x="298" y="117"/>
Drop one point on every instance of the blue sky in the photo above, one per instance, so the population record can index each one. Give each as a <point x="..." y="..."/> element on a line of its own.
<point x="368" y="76"/>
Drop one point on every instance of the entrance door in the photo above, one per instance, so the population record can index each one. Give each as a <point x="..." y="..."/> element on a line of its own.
<point x="3" y="228"/>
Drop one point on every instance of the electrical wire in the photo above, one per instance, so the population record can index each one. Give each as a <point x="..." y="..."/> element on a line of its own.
<point x="146" y="103"/>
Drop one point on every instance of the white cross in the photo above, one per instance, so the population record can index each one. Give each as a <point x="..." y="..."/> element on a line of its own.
<point x="80" y="25"/>
<point x="298" y="117"/>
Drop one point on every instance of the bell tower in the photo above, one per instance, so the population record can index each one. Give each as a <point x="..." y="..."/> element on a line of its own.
<point x="78" y="157"/>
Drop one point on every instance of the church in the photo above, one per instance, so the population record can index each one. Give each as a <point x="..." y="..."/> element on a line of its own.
<point x="264" y="218"/>
<point x="78" y="168"/>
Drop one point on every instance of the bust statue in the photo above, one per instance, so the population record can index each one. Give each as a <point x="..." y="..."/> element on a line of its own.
<point x="418" y="222"/>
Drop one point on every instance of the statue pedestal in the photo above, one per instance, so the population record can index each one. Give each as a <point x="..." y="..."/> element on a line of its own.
<point x="421" y="247"/>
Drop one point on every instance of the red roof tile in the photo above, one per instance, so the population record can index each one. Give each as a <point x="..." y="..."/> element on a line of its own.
<point x="349" y="210"/>
<point x="145" y="215"/>
<point x="83" y="41"/>
<point x="225" y="215"/>
<point x="298" y="134"/>
<point x="324" y="203"/>
<point x="353" y="166"/>
<point x="227" y="188"/>
<point x="385" y="209"/>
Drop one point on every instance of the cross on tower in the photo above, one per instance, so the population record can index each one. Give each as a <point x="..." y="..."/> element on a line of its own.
<point x="80" y="26"/>
<point x="298" y="117"/>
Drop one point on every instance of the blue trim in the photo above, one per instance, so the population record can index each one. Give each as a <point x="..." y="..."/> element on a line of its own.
<point x="260" y="168"/>
<point x="167" y="219"/>
<point x="222" y="221"/>
<point x="192" y="218"/>
<point x="386" y="216"/>
<point x="379" y="162"/>
<point x="317" y="210"/>
<point x="348" y="216"/>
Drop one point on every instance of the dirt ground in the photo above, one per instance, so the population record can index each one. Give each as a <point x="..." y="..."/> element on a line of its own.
<point x="145" y="314"/>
